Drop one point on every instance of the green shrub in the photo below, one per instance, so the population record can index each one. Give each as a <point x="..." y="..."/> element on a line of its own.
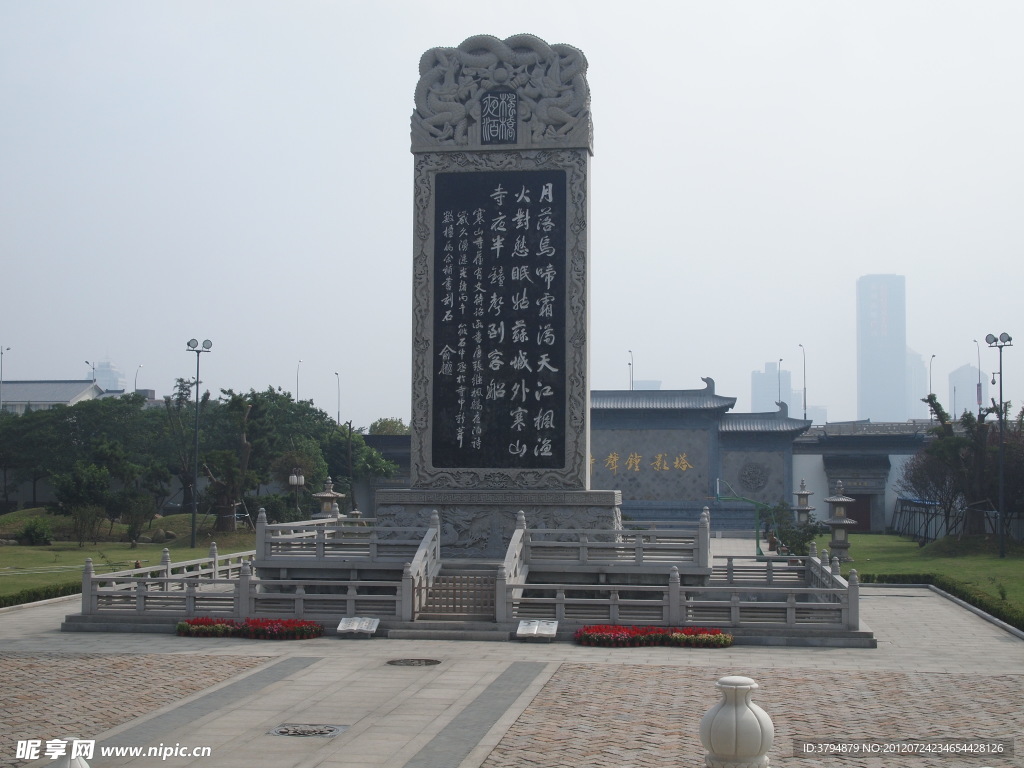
<point x="36" y="594"/>
<point x="35" y="533"/>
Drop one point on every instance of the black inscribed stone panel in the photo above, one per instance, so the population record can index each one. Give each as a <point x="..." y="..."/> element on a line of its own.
<point x="499" y="355"/>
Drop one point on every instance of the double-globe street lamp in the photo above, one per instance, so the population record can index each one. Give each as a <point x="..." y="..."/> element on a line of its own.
<point x="193" y="346"/>
<point x="296" y="480"/>
<point x="1003" y="340"/>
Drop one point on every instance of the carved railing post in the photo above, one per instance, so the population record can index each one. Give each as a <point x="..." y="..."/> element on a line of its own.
<point x="408" y="594"/>
<point x="190" y="598"/>
<point x="243" y="593"/>
<point x="88" y="589"/>
<point x="141" y="588"/>
<point x="165" y="568"/>
<point x="435" y="523"/>
<point x="213" y="559"/>
<point x="502" y="609"/>
<point x="319" y="541"/>
<point x="704" y="539"/>
<point x="853" y="596"/>
<point x="675" y="613"/>
<point x="262" y="545"/>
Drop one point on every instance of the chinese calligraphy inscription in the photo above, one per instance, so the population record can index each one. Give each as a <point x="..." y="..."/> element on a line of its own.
<point x="499" y="369"/>
<point x="499" y="117"/>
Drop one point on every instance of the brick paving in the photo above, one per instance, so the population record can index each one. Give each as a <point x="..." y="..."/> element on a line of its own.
<point x="646" y="715"/>
<point x="939" y="671"/>
<point x="84" y="694"/>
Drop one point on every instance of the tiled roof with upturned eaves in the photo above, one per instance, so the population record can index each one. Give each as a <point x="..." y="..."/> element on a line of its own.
<point x="661" y="399"/>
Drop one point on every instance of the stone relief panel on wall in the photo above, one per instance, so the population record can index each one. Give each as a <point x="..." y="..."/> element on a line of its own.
<point x="485" y="532"/>
<point x="754" y="476"/>
<point x="759" y="475"/>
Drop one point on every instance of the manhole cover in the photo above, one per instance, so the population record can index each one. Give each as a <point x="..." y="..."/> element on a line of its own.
<point x="308" y="729"/>
<point x="414" y="662"/>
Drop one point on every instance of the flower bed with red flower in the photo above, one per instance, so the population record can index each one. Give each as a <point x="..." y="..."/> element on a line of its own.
<point x="263" y="629"/>
<point x="616" y="636"/>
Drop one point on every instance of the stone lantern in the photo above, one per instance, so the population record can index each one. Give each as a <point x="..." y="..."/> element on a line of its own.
<point x="839" y="523"/>
<point x="802" y="509"/>
<point x="328" y="499"/>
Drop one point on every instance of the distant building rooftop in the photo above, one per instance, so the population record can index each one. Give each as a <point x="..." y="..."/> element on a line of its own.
<point x="19" y="396"/>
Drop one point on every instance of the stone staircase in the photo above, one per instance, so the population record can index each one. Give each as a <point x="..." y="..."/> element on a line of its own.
<point x="459" y="605"/>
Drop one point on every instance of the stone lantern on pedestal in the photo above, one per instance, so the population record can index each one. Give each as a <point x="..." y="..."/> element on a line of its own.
<point x="802" y="510"/>
<point x="840" y="523"/>
<point x="328" y="499"/>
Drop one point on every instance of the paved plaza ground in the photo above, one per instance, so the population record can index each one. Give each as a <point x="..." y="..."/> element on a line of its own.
<point x="939" y="671"/>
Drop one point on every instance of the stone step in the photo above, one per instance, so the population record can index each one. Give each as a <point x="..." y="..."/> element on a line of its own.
<point x="493" y="635"/>
<point x="427" y="615"/>
<point x="127" y="623"/>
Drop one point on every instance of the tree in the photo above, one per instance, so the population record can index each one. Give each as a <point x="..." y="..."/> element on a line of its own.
<point x="389" y="426"/>
<point x="228" y="469"/>
<point x="958" y="468"/>
<point x="797" y="537"/>
<point x="86" y="484"/>
<point x="86" y="520"/>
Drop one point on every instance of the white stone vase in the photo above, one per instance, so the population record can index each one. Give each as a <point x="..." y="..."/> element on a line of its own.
<point x="736" y="732"/>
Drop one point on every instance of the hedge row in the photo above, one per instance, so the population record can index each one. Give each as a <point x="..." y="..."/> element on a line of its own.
<point x="999" y="609"/>
<point x="35" y="594"/>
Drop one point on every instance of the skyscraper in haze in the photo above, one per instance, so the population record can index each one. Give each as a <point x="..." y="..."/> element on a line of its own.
<point x="882" y="348"/>
<point x="770" y="386"/>
<point x="968" y="390"/>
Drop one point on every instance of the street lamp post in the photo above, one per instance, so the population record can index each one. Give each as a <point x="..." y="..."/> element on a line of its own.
<point x="630" y="369"/>
<point x="193" y="346"/>
<point x="803" y="351"/>
<point x="978" y="393"/>
<point x="136" y="389"/>
<point x="93" y="366"/>
<point x="2" y="350"/>
<point x="779" y="377"/>
<point x="297" y="366"/>
<point x="338" y="377"/>
<point x="1004" y="340"/>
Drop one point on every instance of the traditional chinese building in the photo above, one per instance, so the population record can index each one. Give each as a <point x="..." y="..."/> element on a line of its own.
<point x="673" y="452"/>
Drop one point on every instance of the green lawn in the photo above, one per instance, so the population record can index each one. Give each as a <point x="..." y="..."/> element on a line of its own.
<point x="972" y="561"/>
<point x="62" y="561"/>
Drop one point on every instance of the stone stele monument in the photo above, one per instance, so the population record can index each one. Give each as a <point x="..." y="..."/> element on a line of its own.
<point x="502" y="139"/>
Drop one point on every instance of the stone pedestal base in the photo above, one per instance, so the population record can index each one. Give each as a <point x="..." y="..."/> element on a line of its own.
<point x="480" y="523"/>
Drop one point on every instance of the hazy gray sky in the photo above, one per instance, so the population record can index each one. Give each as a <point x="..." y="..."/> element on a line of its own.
<point x="240" y="171"/>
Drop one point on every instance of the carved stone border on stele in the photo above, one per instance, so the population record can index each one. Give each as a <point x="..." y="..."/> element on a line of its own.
<point x="574" y="475"/>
